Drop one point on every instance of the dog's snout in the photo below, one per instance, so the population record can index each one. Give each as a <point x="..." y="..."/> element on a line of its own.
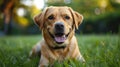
<point x="59" y="28"/>
<point x="59" y="25"/>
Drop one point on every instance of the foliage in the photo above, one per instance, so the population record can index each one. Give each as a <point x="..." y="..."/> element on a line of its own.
<point x="98" y="51"/>
<point x="101" y="24"/>
<point x="88" y="8"/>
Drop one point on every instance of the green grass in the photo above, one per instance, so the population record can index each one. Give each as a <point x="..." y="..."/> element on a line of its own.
<point x="98" y="51"/>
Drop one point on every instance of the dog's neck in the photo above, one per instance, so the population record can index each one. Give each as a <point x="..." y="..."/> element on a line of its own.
<point x="58" y="47"/>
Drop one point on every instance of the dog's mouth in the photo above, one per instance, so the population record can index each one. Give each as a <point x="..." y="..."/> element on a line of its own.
<point x="59" y="38"/>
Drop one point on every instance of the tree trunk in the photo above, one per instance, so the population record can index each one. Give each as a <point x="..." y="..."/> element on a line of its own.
<point x="7" y="11"/>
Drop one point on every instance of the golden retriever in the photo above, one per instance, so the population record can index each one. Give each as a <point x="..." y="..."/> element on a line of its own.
<point x="59" y="42"/>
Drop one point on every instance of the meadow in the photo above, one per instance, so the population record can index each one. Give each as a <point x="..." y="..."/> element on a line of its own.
<point x="98" y="51"/>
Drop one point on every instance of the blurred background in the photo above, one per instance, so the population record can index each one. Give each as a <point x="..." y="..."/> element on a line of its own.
<point x="100" y="16"/>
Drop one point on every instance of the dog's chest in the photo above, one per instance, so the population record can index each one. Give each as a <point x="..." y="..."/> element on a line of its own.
<point x="61" y="54"/>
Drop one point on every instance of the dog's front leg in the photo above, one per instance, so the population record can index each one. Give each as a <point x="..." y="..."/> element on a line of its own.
<point x="36" y="50"/>
<point x="80" y="58"/>
<point x="44" y="62"/>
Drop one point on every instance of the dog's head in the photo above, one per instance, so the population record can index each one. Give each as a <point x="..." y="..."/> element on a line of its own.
<point x="58" y="24"/>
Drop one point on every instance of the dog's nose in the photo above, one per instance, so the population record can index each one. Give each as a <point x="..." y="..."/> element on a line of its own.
<point x="59" y="28"/>
<point x="59" y="25"/>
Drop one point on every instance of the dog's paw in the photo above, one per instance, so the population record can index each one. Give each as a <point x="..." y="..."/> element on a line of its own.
<point x="31" y="54"/>
<point x="81" y="59"/>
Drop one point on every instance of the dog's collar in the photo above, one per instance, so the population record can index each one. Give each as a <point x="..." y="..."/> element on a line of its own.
<point x="58" y="47"/>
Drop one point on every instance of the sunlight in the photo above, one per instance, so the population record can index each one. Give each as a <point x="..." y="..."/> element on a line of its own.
<point x="118" y="1"/>
<point x="39" y="3"/>
<point x="103" y="3"/>
<point x="21" y="12"/>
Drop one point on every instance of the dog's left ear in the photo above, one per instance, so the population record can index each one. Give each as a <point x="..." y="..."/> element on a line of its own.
<point x="77" y="18"/>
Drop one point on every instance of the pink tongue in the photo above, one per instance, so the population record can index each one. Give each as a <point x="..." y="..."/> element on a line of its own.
<point x="60" y="39"/>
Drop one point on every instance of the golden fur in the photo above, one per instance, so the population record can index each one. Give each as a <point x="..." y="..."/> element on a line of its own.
<point x="46" y="48"/>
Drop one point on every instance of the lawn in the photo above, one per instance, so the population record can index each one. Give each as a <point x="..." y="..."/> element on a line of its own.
<point x="98" y="51"/>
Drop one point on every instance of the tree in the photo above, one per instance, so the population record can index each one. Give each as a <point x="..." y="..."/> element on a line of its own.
<point x="8" y="8"/>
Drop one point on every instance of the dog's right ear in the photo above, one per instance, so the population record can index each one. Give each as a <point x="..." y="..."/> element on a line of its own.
<point x="40" y="19"/>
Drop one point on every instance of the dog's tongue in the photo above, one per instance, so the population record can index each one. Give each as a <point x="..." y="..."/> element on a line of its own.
<point x="60" y="38"/>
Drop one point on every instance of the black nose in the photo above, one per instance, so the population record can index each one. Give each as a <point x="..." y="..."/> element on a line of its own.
<point x="59" y="28"/>
<point x="59" y="25"/>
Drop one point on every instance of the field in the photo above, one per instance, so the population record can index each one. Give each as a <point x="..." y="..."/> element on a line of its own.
<point x="98" y="51"/>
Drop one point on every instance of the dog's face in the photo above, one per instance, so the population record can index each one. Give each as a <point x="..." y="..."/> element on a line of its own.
<point x="57" y="24"/>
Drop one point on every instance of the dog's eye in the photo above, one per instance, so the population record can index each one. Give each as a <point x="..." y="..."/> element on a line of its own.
<point x="51" y="17"/>
<point x="67" y="17"/>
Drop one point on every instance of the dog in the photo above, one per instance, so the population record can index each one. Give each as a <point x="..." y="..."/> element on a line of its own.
<point x="59" y="42"/>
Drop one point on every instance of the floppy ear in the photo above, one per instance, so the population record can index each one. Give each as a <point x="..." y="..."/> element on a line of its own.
<point x="39" y="19"/>
<point x="77" y="18"/>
